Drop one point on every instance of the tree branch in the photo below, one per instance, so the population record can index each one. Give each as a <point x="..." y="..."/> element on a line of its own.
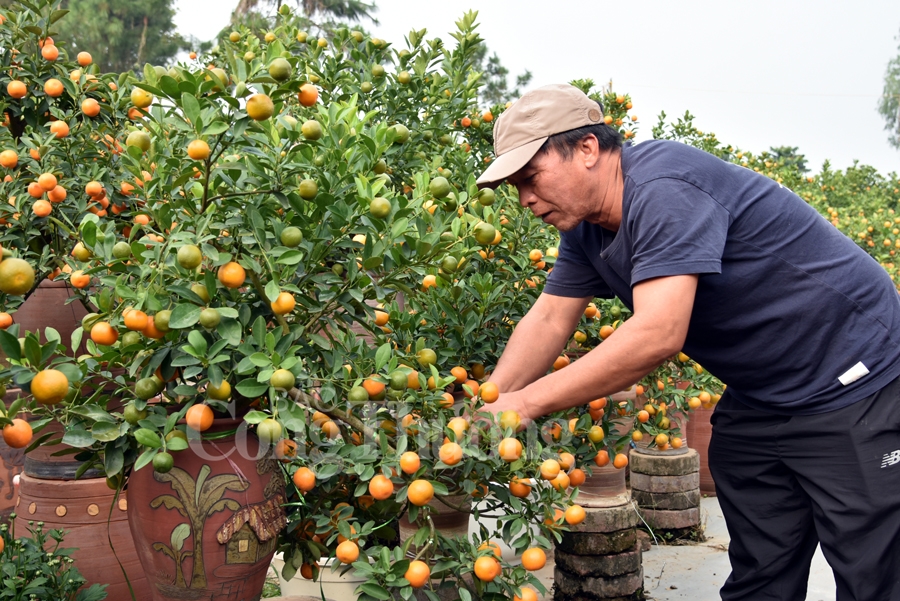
<point x="313" y="403"/>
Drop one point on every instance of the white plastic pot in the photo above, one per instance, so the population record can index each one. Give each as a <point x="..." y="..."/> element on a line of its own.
<point x="332" y="584"/>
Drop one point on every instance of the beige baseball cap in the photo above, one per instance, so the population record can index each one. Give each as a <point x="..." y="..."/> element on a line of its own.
<point x="523" y="128"/>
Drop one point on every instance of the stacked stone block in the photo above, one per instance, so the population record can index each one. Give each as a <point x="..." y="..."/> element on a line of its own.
<point x="600" y="559"/>
<point x="666" y="489"/>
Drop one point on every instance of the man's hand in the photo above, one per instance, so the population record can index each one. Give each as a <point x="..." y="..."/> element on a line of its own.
<point x="511" y="401"/>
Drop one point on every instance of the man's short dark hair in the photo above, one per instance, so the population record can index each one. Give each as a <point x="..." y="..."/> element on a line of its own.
<point x="607" y="137"/>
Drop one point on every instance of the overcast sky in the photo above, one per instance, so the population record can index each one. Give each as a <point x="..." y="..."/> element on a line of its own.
<point x="758" y="74"/>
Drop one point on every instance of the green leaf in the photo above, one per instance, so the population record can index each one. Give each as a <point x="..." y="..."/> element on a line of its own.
<point x="32" y="350"/>
<point x="49" y="349"/>
<point x="149" y="73"/>
<point x="214" y="372"/>
<point x="215" y="128"/>
<point x="191" y="107"/>
<point x="138" y="250"/>
<point x="148" y="438"/>
<point x="373" y="590"/>
<point x="10" y="346"/>
<point x="255" y="417"/>
<point x="250" y="388"/>
<point x="184" y="316"/>
<point x="184" y="361"/>
<point x="399" y="227"/>
<point x="77" y="335"/>
<point x="260" y="360"/>
<point x="259" y="331"/>
<point x="145" y="458"/>
<point x="442" y="565"/>
<point x="176" y="444"/>
<point x="288" y="571"/>
<point x="272" y="291"/>
<point x="113" y="460"/>
<point x="197" y="341"/>
<point x="105" y="431"/>
<point x="230" y="330"/>
<point x="57" y="15"/>
<point x="76" y="437"/>
<point x="321" y="341"/>
<point x="169" y="86"/>
<point x="382" y="355"/>
<point x="291" y="257"/>
<point x="258" y="224"/>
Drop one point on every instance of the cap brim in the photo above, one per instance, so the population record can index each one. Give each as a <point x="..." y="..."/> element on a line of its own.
<point x="508" y="163"/>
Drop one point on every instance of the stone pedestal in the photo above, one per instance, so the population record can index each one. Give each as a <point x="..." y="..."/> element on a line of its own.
<point x="666" y="489"/>
<point x="600" y="559"/>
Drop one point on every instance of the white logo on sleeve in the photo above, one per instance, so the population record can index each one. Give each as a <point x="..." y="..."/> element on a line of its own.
<point x="891" y="458"/>
<point x="853" y="374"/>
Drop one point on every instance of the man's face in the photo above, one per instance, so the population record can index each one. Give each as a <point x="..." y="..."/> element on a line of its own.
<point x="555" y="189"/>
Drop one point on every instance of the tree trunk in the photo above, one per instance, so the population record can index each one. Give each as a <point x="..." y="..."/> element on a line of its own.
<point x="198" y="574"/>
<point x="140" y="51"/>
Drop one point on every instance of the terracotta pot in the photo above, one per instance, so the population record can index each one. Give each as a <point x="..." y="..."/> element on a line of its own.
<point x="46" y="308"/>
<point x="11" y="462"/>
<point x="678" y="420"/>
<point x="606" y="482"/>
<point x="447" y="520"/>
<point x="207" y="529"/>
<point x="82" y="509"/>
<point x="43" y="462"/>
<point x="10" y="465"/>
<point x="700" y="431"/>
<point x="575" y="353"/>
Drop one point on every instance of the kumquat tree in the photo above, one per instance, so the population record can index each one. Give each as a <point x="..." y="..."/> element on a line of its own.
<point x="245" y="232"/>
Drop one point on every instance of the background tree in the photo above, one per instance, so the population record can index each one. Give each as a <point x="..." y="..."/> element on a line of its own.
<point x="496" y="89"/>
<point x="788" y="156"/>
<point x="324" y="14"/>
<point x="122" y="35"/>
<point x="889" y="105"/>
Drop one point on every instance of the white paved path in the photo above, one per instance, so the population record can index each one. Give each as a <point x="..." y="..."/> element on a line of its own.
<point x="696" y="572"/>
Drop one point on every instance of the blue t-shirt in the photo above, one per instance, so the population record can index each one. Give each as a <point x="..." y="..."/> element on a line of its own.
<point x="789" y="312"/>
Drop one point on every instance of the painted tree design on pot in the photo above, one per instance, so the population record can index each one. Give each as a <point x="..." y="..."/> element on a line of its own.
<point x="197" y="501"/>
<point x="175" y="551"/>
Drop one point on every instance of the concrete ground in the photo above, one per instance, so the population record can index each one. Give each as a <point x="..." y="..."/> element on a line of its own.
<point x="697" y="571"/>
<point x="692" y="571"/>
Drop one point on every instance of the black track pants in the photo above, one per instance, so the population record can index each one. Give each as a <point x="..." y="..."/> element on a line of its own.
<point x="787" y="483"/>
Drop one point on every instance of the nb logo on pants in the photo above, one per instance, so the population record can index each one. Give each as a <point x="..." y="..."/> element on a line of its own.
<point x="891" y="458"/>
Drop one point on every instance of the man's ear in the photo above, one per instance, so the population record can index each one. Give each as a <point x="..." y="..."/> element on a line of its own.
<point x="589" y="149"/>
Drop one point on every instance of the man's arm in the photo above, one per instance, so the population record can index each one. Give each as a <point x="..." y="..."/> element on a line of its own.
<point x="537" y="340"/>
<point x="656" y="331"/>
